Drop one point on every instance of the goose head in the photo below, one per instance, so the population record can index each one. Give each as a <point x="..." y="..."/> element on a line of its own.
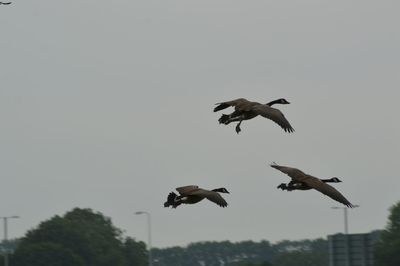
<point x="280" y="101"/>
<point x="334" y="180"/>
<point x="221" y="190"/>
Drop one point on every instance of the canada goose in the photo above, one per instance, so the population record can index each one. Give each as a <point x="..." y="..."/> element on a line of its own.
<point x="245" y="110"/>
<point x="292" y="185"/>
<point x="298" y="177"/>
<point x="193" y="194"/>
<point x="5" y="3"/>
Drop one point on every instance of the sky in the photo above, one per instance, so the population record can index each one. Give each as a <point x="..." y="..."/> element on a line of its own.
<point x="108" y="105"/>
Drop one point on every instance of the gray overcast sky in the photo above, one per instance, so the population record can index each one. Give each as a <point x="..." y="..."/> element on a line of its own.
<point x="108" y="105"/>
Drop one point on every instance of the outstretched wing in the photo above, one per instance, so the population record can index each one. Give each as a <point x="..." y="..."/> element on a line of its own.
<point x="240" y="104"/>
<point x="327" y="189"/>
<point x="294" y="173"/>
<point x="273" y="114"/>
<point x="211" y="196"/>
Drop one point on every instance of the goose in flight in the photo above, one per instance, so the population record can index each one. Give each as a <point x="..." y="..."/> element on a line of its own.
<point x="306" y="181"/>
<point x="194" y="194"/>
<point x="292" y="185"/>
<point x="245" y="110"/>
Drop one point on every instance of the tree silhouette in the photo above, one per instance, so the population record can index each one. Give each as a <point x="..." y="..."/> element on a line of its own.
<point x="82" y="237"/>
<point x="388" y="248"/>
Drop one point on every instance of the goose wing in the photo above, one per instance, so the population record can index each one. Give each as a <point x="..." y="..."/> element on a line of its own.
<point x="211" y="196"/>
<point x="327" y="189"/>
<point x="273" y="114"/>
<point x="186" y="190"/>
<point x="239" y="104"/>
<point x="294" y="173"/>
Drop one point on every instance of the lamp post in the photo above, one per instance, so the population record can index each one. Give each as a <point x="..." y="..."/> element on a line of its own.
<point x="346" y="223"/>
<point x="5" y="220"/>
<point x="148" y="234"/>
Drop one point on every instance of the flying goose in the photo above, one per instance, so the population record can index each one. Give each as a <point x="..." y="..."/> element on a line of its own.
<point x="5" y="3"/>
<point x="193" y="194"/>
<point x="306" y="180"/>
<point x="245" y="110"/>
<point x="292" y="185"/>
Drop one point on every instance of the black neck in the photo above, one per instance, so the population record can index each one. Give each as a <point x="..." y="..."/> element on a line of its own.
<point x="273" y="102"/>
<point x="218" y="190"/>
<point x="329" y="180"/>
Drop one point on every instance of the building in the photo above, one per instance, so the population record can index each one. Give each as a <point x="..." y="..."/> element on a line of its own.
<point x="352" y="249"/>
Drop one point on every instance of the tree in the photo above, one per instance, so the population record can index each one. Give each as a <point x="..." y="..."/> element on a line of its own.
<point x="46" y="254"/>
<point x="83" y="237"/>
<point x="299" y="258"/>
<point x="388" y="248"/>
<point x="135" y="252"/>
<point x="302" y="253"/>
<point x="215" y="254"/>
<point x="266" y="263"/>
<point x="246" y="253"/>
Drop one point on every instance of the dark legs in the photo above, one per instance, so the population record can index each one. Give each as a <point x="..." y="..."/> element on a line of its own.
<point x="283" y="186"/>
<point x="287" y="187"/>
<point x="292" y="185"/>
<point x="172" y="200"/>
<point x="237" y="128"/>
<point x="226" y="119"/>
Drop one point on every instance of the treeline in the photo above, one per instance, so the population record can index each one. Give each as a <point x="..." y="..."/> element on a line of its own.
<point x="82" y="237"/>
<point x="284" y="253"/>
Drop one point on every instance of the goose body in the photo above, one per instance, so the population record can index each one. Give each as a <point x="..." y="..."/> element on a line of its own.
<point x="293" y="185"/>
<point x="246" y="110"/>
<point x="304" y="182"/>
<point x="5" y="3"/>
<point x="193" y="194"/>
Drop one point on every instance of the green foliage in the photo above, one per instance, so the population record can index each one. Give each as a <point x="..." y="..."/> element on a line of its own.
<point x="213" y="253"/>
<point x="84" y="238"/>
<point x="265" y="263"/>
<point x="300" y="258"/>
<point x="135" y="252"/>
<point x="302" y="253"/>
<point x="246" y="253"/>
<point x="388" y="248"/>
<point x="46" y="254"/>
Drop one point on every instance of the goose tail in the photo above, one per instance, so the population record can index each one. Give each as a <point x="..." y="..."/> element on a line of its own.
<point x="221" y="106"/>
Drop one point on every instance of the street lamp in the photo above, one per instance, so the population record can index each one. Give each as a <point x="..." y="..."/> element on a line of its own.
<point x="5" y="220"/>
<point x="149" y="234"/>
<point x="346" y="224"/>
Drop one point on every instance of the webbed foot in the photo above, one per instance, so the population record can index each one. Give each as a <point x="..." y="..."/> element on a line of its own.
<point x="283" y="186"/>
<point x="237" y="128"/>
